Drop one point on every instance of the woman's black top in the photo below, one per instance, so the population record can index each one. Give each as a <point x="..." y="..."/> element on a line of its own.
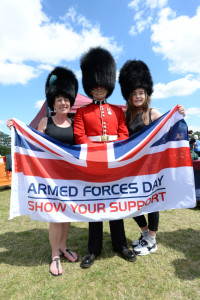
<point x="138" y="124"/>
<point x="64" y="135"/>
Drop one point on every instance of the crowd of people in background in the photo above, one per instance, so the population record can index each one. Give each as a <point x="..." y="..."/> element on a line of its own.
<point x="194" y="145"/>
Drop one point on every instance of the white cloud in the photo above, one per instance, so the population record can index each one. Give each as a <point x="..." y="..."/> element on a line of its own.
<point x="177" y="39"/>
<point x="45" y="67"/>
<point x="143" y="24"/>
<point x="117" y="75"/>
<point x="181" y="87"/>
<point x="145" y="4"/>
<point x="29" y="39"/>
<point x="76" y="18"/>
<point x="193" y="111"/>
<point x="138" y="16"/>
<point x="134" y="4"/>
<point x="71" y="14"/>
<point x="156" y="3"/>
<point x="39" y="103"/>
<point x="78" y="74"/>
<point x="16" y="73"/>
<point x="144" y="12"/>
<point x="133" y="30"/>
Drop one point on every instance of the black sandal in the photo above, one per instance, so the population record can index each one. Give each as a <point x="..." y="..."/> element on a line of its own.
<point x="57" y="266"/>
<point x="70" y="253"/>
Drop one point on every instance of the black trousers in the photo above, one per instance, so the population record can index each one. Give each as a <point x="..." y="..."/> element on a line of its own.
<point x="96" y="236"/>
<point x="153" y="220"/>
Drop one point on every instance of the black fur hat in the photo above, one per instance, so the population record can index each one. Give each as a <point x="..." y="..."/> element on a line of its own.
<point x="61" y="81"/>
<point x="98" y="69"/>
<point x="135" y="74"/>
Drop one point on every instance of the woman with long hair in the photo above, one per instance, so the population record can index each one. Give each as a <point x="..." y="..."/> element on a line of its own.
<point x="137" y="86"/>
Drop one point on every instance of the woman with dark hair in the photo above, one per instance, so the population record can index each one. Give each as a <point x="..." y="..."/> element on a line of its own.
<point x="61" y="90"/>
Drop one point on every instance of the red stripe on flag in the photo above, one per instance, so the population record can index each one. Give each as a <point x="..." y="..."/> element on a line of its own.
<point x="97" y="154"/>
<point x="59" y="169"/>
<point x="24" y="132"/>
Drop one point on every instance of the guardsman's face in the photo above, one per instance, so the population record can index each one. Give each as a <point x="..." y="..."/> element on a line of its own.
<point x="99" y="93"/>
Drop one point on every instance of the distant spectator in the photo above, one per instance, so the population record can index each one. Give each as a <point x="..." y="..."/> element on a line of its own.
<point x="197" y="145"/>
<point x="192" y="143"/>
<point x="191" y="140"/>
<point x="194" y="155"/>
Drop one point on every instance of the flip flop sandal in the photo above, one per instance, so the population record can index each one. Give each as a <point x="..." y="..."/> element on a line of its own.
<point x="57" y="266"/>
<point x="70" y="253"/>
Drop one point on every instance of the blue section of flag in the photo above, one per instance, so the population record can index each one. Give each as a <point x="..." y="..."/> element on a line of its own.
<point x="74" y="150"/>
<point x="177" y="132"/>
<point x="23" y="143"/>
<point x="135" y="139"/>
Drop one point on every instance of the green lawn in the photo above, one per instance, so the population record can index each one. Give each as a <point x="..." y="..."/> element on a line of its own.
<point x="173" y="272"/>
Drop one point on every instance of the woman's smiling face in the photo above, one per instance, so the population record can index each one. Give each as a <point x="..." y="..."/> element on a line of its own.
<point x="61" y="104"/>
<point x="138" y="97"/>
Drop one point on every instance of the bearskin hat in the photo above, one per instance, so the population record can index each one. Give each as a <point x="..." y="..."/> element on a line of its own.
<point x="98" y="69"/>
<point x="61" y="81"/>
<point x="135" y="74"/>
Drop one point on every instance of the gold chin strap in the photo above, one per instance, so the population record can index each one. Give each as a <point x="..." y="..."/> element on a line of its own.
<point x="99" y="93"/>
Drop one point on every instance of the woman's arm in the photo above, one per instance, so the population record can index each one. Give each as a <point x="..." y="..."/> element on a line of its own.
<point x="155" y="114"/>
<point x="43" y="125"/>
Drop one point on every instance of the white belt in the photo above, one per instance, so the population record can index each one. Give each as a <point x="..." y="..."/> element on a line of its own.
<point x="103" y="138"/>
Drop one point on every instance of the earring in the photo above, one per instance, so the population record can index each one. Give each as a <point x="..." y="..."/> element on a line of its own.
<point x="54" y="110"/>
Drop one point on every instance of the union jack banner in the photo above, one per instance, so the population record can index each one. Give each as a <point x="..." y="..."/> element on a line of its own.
<point x="150" y="171"/>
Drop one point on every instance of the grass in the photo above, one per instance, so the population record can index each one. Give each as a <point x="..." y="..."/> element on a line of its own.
<point x="173" y="272"/>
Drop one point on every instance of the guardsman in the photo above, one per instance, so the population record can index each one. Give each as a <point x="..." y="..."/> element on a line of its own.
<point x="100" y="122"/>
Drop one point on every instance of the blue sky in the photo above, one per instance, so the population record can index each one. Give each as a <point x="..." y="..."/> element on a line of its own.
<point x="37" y="35"/>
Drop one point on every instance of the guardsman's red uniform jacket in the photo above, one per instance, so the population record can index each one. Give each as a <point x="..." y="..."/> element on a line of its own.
<point x="99" y="123"/>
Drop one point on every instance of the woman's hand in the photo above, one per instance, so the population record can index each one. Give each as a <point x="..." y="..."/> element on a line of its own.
<point x="9" y="123"/>
<point x="181" y="110"/>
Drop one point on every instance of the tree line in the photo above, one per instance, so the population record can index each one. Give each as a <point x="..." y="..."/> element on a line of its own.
<point x="5" y="144"/>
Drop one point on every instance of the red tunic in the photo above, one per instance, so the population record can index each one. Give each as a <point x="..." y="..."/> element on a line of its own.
<point x="95" y="120"/>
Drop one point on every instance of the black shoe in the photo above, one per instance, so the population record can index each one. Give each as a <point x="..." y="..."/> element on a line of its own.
<point x="127" y="254"/>
<point x="88" y="260"/>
